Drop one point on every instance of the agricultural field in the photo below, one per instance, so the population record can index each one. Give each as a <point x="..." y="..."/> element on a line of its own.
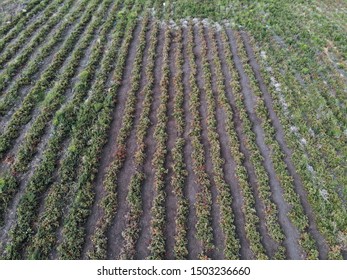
<point x="151" y="129"/>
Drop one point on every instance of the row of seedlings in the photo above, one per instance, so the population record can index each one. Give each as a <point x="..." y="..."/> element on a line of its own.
<point x="20" y="27"/>
<point x="203" y="203"/>
<point x="16" y="64"/>
<point x="22" y="18"/>
<point x="37" y="93"/>
<point x="56" y="96"/>
<point x="10" y="188"/>
<point x="271" y="222"/>
<point x="109" y="202"/>
<point x="306" y="152"/>
<point x="74" y="231"/>
<point x="48" y="21"/>
<point x="45" y="238"/>
<point x="178" y="178"/>
<point x="262" y="174"/>
<point x="157" y="243"/>
<point x="134" y="198"/>
<point x="252" y="220"/>
<point x="224" y="199"/>
<point x="128" y="118"/>
<point x="33" y="66"/>
<point x="296" y="214"/>
<point x="27" y="207"/>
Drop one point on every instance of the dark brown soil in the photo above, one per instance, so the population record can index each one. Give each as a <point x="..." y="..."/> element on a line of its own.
<point x="280" y="138"/>
<point x="291" y="232"/>
<point x="192" y="188"/>
<point x="148" y="191"/>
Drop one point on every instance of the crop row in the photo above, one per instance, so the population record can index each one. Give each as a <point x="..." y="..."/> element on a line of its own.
<point x="203" y="203"/>
<point x="272" y="225"/>
<point x="134" y="198"/>
<point x="32" y="9"/>
<point x="73" y="231"/>
<point x="48" y="21"/>
<point x="247" y="191"/>
<point x="56" y="96"/>
<point x="87" y="117"/>
<point x="157" y="243"/>
<point x="297" y="214"/>
<point x="224" y="198"/>
<point x="19" y="27"/>
<point x="65" y="119"/>
<point x="34" y="64"/>
<point x="264" y="156"/>
<point x="26" y="210"/>
<point x="127" y="123"/>
<point x="317" y="142"/>
<point x="37" y="93"/>
<point x="179" y="168"/>
<point x="7" y="195"/>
